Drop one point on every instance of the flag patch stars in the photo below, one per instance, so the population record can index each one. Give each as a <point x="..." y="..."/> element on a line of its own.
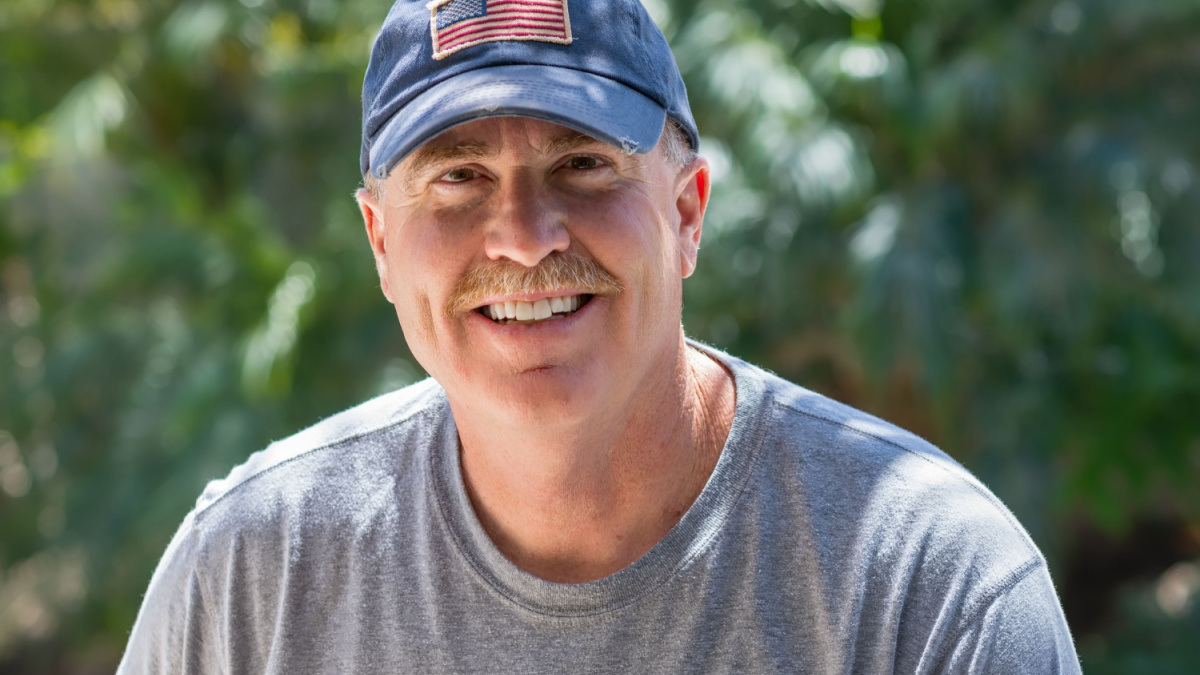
<point x="458" y="24"/>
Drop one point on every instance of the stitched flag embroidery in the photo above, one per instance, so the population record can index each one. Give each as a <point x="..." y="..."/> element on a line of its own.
<point x="458" y="24"/>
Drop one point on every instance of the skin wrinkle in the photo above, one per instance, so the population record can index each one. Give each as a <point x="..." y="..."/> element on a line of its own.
<point x="426" y="314"/>
<point x="704" y="415"/>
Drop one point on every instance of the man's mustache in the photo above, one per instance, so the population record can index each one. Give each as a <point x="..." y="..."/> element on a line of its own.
<point x="557" y="271"/>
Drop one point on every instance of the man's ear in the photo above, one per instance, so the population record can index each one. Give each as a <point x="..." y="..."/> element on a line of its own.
<point x="691" y="200"/>
<point x="372" y="214"/>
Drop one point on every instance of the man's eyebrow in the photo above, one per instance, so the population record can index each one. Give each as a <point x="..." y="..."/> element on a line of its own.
<point x="572" y="141"/>
<point x="463" y="152"/>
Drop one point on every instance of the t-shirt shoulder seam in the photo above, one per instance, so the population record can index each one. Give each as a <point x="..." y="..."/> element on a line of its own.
<point x="974" y="614"/>
<point x="419" y="412"/>
<point x="991" y="499"/>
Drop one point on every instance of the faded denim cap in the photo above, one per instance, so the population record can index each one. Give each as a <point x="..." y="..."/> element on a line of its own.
<point x="600" y="67"/>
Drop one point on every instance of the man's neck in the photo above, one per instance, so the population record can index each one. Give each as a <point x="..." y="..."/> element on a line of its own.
<point x="578" y="506"/>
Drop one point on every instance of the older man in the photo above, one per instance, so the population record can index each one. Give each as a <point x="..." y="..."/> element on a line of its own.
<point x="578" y="487"/>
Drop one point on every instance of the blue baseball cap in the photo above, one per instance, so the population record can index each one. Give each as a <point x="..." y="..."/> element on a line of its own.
<point x="601" y="67"/>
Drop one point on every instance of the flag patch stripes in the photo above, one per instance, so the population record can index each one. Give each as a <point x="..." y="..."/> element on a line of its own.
<point x="458" y="24"/>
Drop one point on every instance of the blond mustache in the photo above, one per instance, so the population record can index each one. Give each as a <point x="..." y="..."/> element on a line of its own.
<point x="557" y="271"/>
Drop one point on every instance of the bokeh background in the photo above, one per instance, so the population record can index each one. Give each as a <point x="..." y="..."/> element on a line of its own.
<point x="975" y="218"/>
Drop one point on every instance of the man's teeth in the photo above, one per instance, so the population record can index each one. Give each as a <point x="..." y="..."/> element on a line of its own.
<point x="532" y="311"/>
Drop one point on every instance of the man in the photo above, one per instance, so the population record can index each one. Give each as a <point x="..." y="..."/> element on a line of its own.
<point x="578" y="487"/>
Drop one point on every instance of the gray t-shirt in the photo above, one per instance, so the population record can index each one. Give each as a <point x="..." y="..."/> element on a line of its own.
<point x="825" y="541"/>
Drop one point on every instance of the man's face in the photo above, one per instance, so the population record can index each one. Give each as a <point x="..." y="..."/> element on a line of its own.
<point x="467" y="221"/>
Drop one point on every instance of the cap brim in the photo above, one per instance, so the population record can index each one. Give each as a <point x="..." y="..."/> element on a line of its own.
<point x="591" y="104"/>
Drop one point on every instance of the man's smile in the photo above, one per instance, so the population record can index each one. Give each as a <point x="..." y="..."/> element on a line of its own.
<point x="529" y="335"/>
<point x="544" y="309"/>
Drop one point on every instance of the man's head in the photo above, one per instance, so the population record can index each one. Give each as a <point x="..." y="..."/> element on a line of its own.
<point x="600" y="67"/>
<point x="530" y="230"/>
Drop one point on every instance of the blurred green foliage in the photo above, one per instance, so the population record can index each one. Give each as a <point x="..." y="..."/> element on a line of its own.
<point x="1158" y="631"/>
<point x="976" y="218"/>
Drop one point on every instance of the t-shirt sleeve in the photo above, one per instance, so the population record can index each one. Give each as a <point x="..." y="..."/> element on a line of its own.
<point x="175" y="632"/>
<point x="1022" y="631"/>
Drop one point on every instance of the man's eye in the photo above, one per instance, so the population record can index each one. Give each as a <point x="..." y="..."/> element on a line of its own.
<point x="459" y="175"/>
<point x="583" y="162"/>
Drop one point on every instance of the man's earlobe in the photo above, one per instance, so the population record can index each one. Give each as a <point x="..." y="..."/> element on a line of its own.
<point x="372" y="214"/>
<point x="691" y="202"/>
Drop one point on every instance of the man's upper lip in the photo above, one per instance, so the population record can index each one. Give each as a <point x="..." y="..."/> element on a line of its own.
<point x="529" y="297"/>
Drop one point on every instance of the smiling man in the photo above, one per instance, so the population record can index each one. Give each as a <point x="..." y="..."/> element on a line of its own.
<point x="536" y="273"/>
<point x="578" y="487"/>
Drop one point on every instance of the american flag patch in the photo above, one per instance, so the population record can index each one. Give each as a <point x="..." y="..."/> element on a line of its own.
<point x="458" y="24"/>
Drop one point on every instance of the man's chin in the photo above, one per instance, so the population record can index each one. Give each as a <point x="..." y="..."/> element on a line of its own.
<point x="534" y="398"/>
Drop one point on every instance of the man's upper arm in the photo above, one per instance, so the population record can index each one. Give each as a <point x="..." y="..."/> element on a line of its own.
<point x="1022" y="631"/>
<point x="174" y="632"/>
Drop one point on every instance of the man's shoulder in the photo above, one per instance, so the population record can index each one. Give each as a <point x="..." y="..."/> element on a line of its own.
<point x="377" y="438"/>
<point x="901" y="538"/>
<point x="854" y="435"/>
<point x="828" y="427"/>
<point x="855" y="476"/>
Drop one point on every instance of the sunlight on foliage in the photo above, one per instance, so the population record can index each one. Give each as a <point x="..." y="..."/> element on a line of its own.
<point x="974" y="218"/>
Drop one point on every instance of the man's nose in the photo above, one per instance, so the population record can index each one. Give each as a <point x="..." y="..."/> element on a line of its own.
<point x="527" y="224"/>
